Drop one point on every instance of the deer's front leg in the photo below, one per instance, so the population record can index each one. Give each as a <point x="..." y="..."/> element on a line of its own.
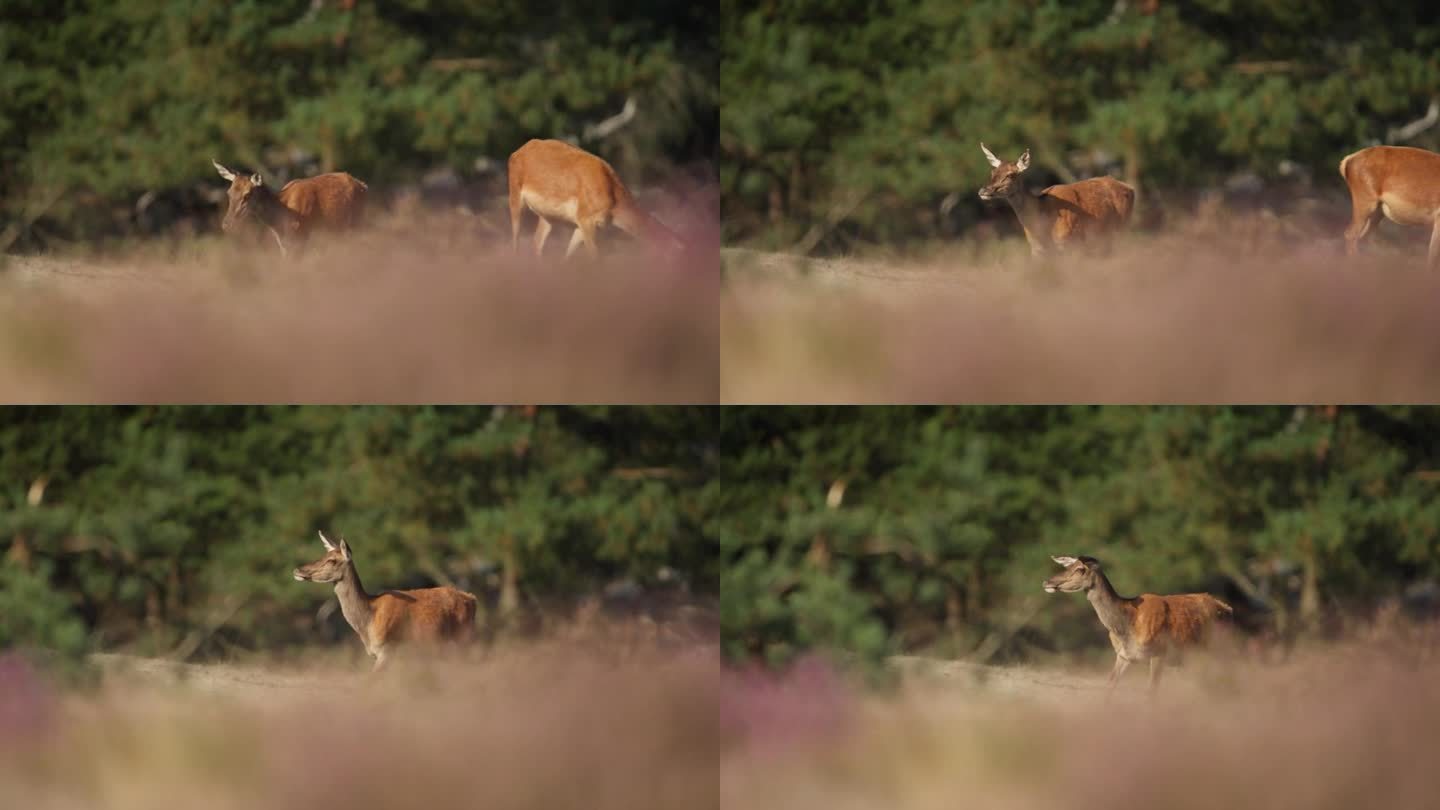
<point x="1121" y="664"/>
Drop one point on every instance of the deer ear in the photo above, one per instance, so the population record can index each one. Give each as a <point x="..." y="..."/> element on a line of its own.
<point x="257" y="181"/>
<point x="1065" y="561"/>
<point x="345" y="549"/>
<point x="224" y="172"/>
<point x="328" y="545"/>
<point x="990" y="156"/>
<point x="1024" y="162"/>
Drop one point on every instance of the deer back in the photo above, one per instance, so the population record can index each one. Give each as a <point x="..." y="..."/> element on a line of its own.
<point x="425" y="614"/>
<point x="335" y="200"/>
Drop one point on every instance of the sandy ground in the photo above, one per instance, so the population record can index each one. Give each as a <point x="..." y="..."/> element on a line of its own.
<point x="246" y="681"/>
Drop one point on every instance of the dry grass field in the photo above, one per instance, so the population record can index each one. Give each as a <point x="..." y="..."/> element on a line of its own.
<point x="1241" y="312"/>
<point x="1346" y="726"/>
<point x="539" y="725"/>
<point x="419" y="308"/>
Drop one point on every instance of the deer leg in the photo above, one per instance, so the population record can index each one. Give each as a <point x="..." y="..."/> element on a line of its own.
<point x="591" y="231"/>
<point x="1434" y="257"/>
<point x="284" y="254"/>
<point x="542" y="232"/>
<point x="1121" y="664"/>
<point x="517" y="209"/>
<point x="575" y="241"/>
<point x="380" y="658"/>
<point x="1157" y="666"/>
<point x="1364" y="214"/>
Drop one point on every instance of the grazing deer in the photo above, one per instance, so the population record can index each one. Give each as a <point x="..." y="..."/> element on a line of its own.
<point x="557" y="181"/>
<point x="1145" y="627"/>
<point x="424" y="615"/>
<point x="1399" y="182"/>
<point x="1058" y="216"/>
<point x="334" y="201"/>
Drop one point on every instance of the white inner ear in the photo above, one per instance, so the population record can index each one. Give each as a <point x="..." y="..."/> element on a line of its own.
<point x="345" y="549"/>
<point x="1024" y="162"/>
<point x="224" y="172"/>
<point x="990" y="156"/>
<point x="1065" y="561"/>
<point x="329" y="545"/>
<point x="257" y="180"/>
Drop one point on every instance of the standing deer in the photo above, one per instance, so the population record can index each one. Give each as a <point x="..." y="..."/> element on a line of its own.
<point x="334" y="201"/>
<point x="1055" y="217"/>
<point x="1145" y="627"/>
<point x="424" y="615"/>
<point x="1399" y="182"/>
<point x="557" y="181"/>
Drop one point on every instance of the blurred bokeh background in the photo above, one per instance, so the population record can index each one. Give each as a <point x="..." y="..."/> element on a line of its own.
<point x="854" y="124"/>
<point x="873" y="532"/>
<point x="172" y="532"/>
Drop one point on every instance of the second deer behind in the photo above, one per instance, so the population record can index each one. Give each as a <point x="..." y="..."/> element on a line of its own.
<point x="560" y="182"/>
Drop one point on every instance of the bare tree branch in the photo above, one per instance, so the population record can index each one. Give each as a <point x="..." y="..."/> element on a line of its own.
<point x="1419" y="125"/>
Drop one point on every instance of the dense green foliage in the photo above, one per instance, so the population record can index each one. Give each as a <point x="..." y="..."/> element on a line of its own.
<point x="948" y="516"/>
<point x="852" y="121"/>
<point x="102" y="101"/>
<point x="176" y="528"/>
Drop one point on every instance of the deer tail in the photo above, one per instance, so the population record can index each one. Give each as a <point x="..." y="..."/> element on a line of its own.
<point x="1345" y="160"/>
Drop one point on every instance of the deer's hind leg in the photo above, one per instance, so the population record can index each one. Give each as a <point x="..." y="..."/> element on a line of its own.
<point x="517" y="210"/>
<point x="1434" y="256"/>
<point x="542" y="232"/>
<point x="1365" y="212"/>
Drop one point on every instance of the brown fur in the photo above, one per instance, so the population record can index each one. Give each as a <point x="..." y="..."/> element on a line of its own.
<point x="1401" y="183"/>
<point x="1061" y="216"/>
<point x="419" y="616"/>
<point x="560" y="182"/>
<point x="1146" y="627"/>
<point x="327" y="202"/>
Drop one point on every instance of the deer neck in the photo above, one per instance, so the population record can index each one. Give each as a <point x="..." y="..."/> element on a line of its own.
<point x="1113" y="609"/>
<point x="272" y="211"/>
<point x="1027" y="209"/>
<point x="354" y="603"/>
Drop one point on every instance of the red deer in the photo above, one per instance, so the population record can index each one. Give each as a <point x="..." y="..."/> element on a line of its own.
<point x="424" y="615"/>
<point x="334" y="201"/>
<point x="557" y="181"/>
<point x="1145" y="627"/>
<point x="1058" y="216"/>
<point x="1399" y="182"/>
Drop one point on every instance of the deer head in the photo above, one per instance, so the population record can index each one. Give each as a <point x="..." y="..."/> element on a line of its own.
<point x="1079" y="575"/>
<point x="331" y="567"/>
<point x="1005" y="178"/>
<point x="242" y="193"/>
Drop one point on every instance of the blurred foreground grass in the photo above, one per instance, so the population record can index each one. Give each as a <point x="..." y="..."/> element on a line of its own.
<point x="416" y="309"/>
<point x="553" y="724"/>
<point x="1356" y="724"/>
<point x="1236" y="313"/>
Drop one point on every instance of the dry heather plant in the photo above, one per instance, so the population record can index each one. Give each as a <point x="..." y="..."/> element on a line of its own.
<point x="536" y="726"/>
<point x="1258" y="314"/>
<point x="1333" y="727"/>
<point x="414" y="310"/>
